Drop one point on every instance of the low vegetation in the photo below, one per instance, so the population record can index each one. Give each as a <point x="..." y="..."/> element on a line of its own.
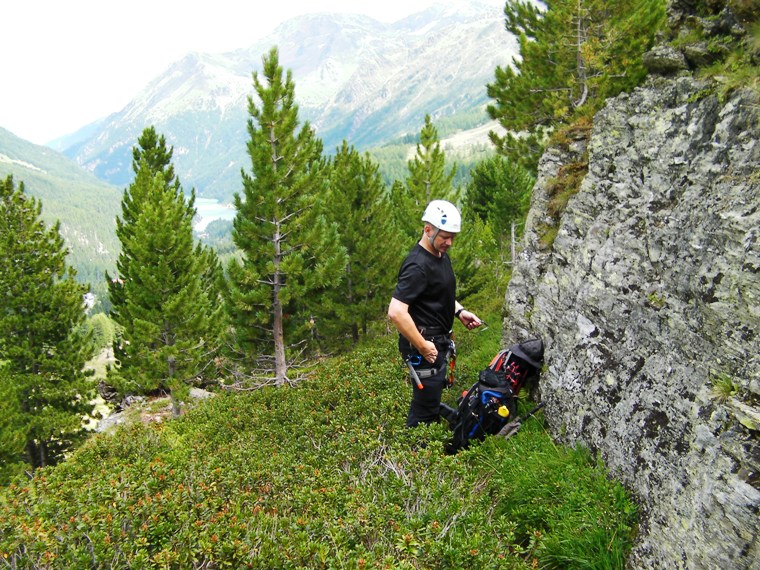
<point x="724" y="44"/>
<point x="319" y="475"/>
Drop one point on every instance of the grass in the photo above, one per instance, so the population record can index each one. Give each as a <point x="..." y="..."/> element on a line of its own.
<point x="320" y="475"/>
<point x="723" y="388"/>
<point x="99" y="363"/>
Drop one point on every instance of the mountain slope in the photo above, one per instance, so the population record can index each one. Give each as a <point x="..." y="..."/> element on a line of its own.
<point x="356" y="79"/>
<point x="323" y="474"/>
<point x="85" y="206"/>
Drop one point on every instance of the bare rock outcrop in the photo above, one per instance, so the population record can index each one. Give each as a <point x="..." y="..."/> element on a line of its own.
<point x="648" y="301"/>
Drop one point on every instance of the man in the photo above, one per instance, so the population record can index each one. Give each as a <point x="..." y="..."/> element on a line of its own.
<point x="423" y="308"/>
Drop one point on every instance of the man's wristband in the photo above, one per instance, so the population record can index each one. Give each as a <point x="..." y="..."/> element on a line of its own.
<point x="456" y="314"/>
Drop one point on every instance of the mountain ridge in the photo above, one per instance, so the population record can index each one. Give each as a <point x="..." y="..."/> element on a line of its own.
<point x="85" y="205"/>
<point x="352" y="79"/>
<point x="356" y="79"/>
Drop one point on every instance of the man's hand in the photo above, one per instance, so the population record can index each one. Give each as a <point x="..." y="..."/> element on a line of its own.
<point x="428" y="351"/>
<point x="398" y="313"/>
<point x="469" y="320"/>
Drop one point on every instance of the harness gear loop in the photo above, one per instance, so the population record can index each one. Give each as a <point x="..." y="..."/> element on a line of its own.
<point x="451" y="356"/>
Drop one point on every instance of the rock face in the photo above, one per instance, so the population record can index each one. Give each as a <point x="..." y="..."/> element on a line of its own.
<point x="648" y="302"/>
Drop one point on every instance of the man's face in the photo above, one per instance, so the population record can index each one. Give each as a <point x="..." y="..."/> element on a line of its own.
<point x="443" y="241"/>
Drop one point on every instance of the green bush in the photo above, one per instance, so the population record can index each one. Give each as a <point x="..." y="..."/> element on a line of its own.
<point x="103" y="331"/>
<point x="320" y="475"/>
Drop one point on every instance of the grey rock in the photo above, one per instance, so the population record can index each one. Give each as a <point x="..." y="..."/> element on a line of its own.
<point x="700" y="55"/>
<point x="110" y="422"/>
<point x="723" y="24"/>
<point x="200" y="394"/>
<point x="649" y="293"/>
<point x="664" y="60"/>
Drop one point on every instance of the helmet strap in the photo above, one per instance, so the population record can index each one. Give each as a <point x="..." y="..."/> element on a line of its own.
<point x="431" y="239"/>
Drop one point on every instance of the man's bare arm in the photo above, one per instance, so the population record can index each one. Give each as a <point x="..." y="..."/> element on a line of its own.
<point x="398" y="313"/>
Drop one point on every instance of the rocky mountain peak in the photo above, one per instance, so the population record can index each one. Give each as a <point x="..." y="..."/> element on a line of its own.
<point x="356" y="79"/>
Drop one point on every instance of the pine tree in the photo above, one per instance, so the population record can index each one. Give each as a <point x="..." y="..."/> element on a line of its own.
<point x="499" y="193"/>
<point x="12" y="427"/>
<point x="427" y="178"/>
<point x="42" y="353"/>
<point x="359" y="206"/>
<point x="404" y="214"/>
<point x="167" y="297"/>
<point x="573" y="55"/>
<point x="290" y="251"/>
<point x="212" y="279"/>
<point x="151" y="153"/>
<point x="478" y="259"/>
<point x="496" y="197"/>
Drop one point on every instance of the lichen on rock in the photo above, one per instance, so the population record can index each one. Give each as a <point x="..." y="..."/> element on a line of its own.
<point x="649" y="292"/>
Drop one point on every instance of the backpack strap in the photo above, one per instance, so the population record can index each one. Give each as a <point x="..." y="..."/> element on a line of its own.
<point x="497" y="363"/>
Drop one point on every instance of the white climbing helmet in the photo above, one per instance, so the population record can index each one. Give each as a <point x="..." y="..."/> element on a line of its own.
<point x="443" y="215"/>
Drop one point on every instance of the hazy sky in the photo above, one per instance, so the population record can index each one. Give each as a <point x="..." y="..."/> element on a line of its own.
<point x="67" y="63"/>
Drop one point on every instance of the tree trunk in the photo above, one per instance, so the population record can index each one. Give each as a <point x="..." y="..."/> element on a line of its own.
<point x="580" y="63"/>
<point x="350" y="301"/>
<point x="31" y="454"/>
<point x="514" y="245"/>
<point x="175" y="401"/>
<point x="280" y="364"/>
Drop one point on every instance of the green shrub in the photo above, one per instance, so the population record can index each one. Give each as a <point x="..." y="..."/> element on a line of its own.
<point x="322" y="474"/>
<point x="723" y="388"/>
<point x="567" y="512"/>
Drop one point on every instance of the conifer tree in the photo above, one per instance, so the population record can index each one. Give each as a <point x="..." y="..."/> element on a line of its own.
<point x="42" y="353"/>
<point x="573" y="54"/>
<point x="499" y="193"/>
<point x="403" y="213"/>
<point x="291" y="253"/>
<point x="151" y="153"/>
<point x="428" y="179"/>
<point x="478" y="259"/>
<point x="360" y="208"/>
<point x="166" y="301"/>
<point x="496" y="197"/>
<point x="12" y="428"/>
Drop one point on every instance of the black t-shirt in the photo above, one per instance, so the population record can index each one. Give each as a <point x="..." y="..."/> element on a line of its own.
<point x="427" y="284"/>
